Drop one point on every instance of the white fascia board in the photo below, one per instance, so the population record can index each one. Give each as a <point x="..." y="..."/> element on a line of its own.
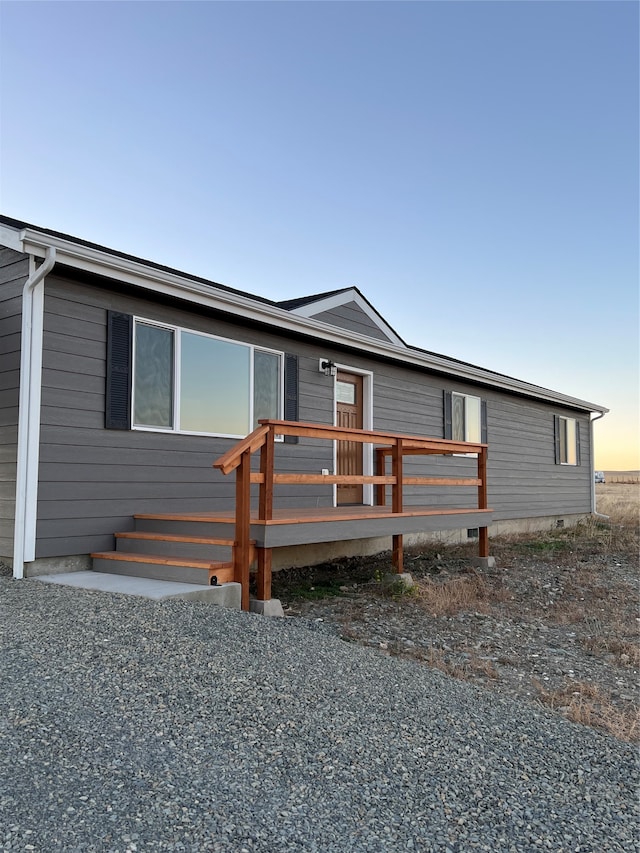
<point x="181" y="287"/>
<point x="327" y="303"/>
<point x="10" y="238"/>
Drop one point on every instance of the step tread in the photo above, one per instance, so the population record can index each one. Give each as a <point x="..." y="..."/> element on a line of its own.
<point x="202" y="517"/>
<point x="159" y="559"/>
<point x="174" y="537"/>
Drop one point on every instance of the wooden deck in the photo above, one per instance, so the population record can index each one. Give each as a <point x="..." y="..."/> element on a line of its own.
<point x="222" y="546"/>
<point x="303" y="525"/>
<point x="273" y="527"/>
<point x="187" y="546"/>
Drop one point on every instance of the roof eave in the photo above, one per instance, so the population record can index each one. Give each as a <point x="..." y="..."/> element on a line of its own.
<point x="138" y="274"/>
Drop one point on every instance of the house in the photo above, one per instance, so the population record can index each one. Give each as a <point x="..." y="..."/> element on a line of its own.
<point x="123" y="381"/>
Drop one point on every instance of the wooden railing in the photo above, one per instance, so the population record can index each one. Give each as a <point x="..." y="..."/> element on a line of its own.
<point x="393" y="445"/>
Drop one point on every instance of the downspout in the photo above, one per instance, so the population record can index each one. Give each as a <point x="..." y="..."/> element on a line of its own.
<point x="24" y="542"/>
<point x="593" y="472"/>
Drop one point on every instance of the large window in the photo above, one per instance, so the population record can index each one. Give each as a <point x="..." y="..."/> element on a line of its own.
<point x="567" y="437"/>
<point x="191" y="382"/>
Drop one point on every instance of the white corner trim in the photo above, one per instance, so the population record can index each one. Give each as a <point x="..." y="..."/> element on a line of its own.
<point x="29" y="414"/>
<point x="327" y="303"/>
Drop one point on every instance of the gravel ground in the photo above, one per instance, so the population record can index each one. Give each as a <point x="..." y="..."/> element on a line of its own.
<point x="131" y="725"/>
<point x="528" y="628"/>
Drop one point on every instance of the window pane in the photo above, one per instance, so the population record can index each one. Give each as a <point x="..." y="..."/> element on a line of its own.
<point x="457" y="417"/>
<point x="473" y="419"/>
<point x="266" y="386"/>
<point x="153" y="382"/>
<point x="346" y="393"/>
<point x="214" y="386"/>
<point x="563" y="439"/>
<point x="571" y="458"/>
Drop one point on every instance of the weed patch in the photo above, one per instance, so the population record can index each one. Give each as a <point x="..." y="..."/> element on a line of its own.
<point x="589" y="705"/>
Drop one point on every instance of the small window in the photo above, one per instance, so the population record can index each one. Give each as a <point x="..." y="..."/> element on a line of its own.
<point x="567" y="439"/>
<point x="465" y="412"/>
<point x="465" y="417"/>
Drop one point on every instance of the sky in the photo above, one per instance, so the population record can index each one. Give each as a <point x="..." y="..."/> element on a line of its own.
<point x="472" y="167"/>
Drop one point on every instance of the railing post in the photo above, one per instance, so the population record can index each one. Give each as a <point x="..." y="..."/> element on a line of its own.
<point x="381" y="467"/>
<point x="396" y="502"/>
<point x="243" y="526"/>
<point x="263" y="578"/>
<point x="267" y="454"/>
<point x="265" y="513"/>
<point x="396" y="470"/>
<point x="483" y="538"/>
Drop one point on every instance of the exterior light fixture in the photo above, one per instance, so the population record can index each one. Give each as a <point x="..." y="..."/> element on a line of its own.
<point x="327" y="367"/>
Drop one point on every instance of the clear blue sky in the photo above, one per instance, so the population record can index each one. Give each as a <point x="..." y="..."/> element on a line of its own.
<point x="471" y="166"/>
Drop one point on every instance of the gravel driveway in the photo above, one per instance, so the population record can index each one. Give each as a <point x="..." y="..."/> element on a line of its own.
<point x="131" y="725"/>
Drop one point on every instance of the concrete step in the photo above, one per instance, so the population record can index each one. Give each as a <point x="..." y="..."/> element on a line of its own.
<point x="184" y="525"/>
<point x="173" y="545"/>
<point x="162" y="567"/>
<point x="227" y="595"/>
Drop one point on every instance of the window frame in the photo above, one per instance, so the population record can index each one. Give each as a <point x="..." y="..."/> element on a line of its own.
<point x="448" y="417"/>
<point x="561" y="423"/>
<point x="466" y="398"/>
<point x="176" y="378"/>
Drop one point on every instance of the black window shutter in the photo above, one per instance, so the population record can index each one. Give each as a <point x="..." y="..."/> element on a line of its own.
<point x="578" y="460"/>
<point x="118" y="388"/>
<point x="556" y="436"/>
<point x="290" y="393"/>
<point x="448" y="429"/>
<point x="483" y="422"/>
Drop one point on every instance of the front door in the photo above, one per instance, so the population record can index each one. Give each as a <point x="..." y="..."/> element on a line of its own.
<point x="349" y="453"/>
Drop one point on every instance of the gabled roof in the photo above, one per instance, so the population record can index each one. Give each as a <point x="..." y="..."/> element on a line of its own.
<point x="292" y="304"/>
<point x="316" y="317"/>
<point x="334" y="305"/>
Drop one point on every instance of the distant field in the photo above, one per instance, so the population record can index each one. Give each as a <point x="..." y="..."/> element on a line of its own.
<point x="622" y="476"/>
<point x="620" y="501"/>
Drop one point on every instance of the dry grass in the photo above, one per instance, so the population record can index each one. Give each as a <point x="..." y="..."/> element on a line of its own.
<point x="472" y="665"/>
<point x="620" y="501"/>
<point x="595" y="595"/>
<point x="588" y="705"/>
<point x="622" y="477"/>
<point x="466" y="593"/>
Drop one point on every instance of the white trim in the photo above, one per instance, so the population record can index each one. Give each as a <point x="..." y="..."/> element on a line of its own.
<point x="180" y="286"/>
<point x="327" y="303"/>
<point x="28" y="450"/>
<point x="593" y="467"/>
<point x="576" y="427"/>
<point x="367" y="423"/>
<point x="466" y="398"/>
<point x="10" y="238"/>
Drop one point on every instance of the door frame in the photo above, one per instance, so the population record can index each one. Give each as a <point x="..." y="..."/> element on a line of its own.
<point x="367" y="423"/>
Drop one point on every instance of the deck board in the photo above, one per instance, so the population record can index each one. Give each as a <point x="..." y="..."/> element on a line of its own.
<point x="301" y="515"/>
<point x="304" y="525"/>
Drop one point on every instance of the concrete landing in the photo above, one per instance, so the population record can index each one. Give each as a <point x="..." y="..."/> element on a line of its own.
<point x="225" y="595"/>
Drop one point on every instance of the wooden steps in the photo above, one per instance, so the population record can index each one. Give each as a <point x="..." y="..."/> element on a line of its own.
<point x="161" y="567"/>
<point x="175" y="545"/>
<point x="169" y="551"/>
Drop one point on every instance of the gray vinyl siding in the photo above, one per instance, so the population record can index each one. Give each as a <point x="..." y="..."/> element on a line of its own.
<point x="353" y="318"/>
<point x="14" y="270"/>
<point x="93" y="480"/>
<point x="523" y="478"/>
